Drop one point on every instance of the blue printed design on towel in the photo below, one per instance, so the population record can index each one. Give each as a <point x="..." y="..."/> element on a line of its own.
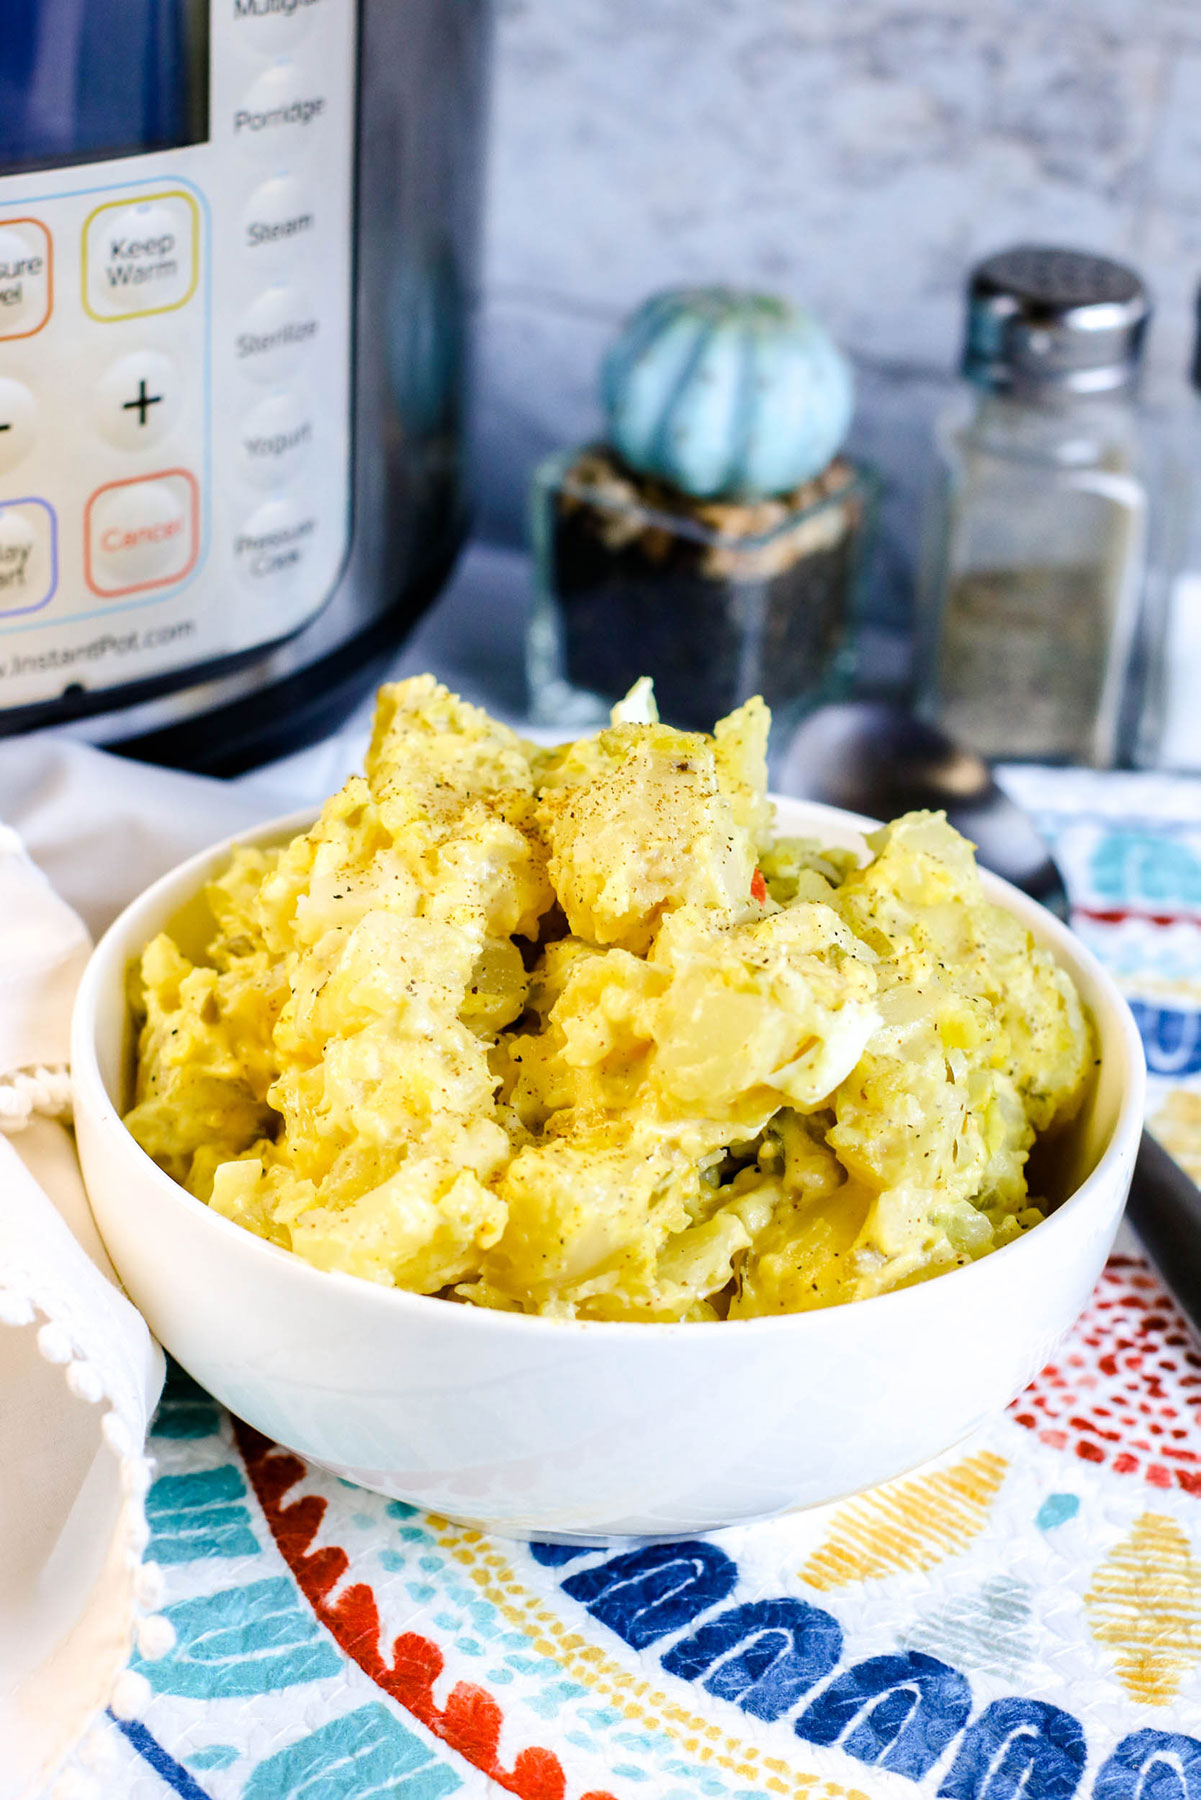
<point x="1171" y="1037"/>
<point x="197" y="1515"/>
<point x="213" y="1756"/>
<point x="1018" y="1750"/>
<point x="1152" y="1765"/>
<point x="244" y="1640"/>
<point x="185" y="1410"/>
<point x="898" y="1711"/>
<point x="1145" y="868"/>
<point x="364" y="1753"/>
<point x="647" y="1594"/>
<point x="763" y="1655"/>
<point x="553" y="1556"/>
<point x="1055" y="1510"/>
<point x="161" y="1761"/>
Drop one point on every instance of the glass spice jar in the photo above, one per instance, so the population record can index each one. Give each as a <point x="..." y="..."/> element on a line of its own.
<point x="1035" y="541"/>
<point x="716" y="600"/>
<point x="1169" y="723"/>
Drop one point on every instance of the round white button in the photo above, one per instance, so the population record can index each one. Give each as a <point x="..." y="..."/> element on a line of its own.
<point x="271" y="548"/>
<point x="24" y="278"/>
<point x="277" y="221"/>
<point x="137" y="399"/>
<point x="141" y="258"/>
<point x="281" y="112"/>
<point x="17" y="537"/>
<point x="18" y="412"/>
<point x="272" y="24"/>
<point x="276" y="331"/>
<point x="26" y="556"/>
<point x="276" y="438"/>
<point x="140" y="533"/>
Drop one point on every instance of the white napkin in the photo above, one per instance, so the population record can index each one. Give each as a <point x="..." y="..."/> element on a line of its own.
<point x="79" y="1372"/>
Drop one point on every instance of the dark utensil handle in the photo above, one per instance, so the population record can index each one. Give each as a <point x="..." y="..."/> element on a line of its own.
<point x="1165" y="1210"/>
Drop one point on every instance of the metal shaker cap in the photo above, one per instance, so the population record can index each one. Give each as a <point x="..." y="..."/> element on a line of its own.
<point x="1054" y="321"/>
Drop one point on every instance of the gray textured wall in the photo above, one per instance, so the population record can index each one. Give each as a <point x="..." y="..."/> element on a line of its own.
<point x="857" y="154"/>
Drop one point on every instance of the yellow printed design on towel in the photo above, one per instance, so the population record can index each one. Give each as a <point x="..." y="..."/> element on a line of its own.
<point x="907" y="1525"/>
<point x="1145" y="1603"/>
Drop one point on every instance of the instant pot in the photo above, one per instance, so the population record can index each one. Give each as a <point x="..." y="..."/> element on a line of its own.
<point x="236" y="257"/>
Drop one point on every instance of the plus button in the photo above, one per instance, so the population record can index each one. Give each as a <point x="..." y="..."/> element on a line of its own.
<point x="137" y="398"/>
<point x="142" y="403"/>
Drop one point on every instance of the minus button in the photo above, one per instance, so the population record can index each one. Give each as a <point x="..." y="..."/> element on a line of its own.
<point x="18" y="412"/>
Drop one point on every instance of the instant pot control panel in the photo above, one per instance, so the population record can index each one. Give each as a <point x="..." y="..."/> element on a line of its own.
<point x="175" y="364"/>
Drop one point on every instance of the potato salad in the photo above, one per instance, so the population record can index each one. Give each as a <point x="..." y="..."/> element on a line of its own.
<point x="571" y="1031"/>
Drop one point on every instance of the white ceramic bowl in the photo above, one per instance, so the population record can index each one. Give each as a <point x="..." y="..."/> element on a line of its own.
<point x="534" y="1427"/>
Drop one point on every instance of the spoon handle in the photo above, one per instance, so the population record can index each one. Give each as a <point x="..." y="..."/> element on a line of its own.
<point x="1165" y="1210"/>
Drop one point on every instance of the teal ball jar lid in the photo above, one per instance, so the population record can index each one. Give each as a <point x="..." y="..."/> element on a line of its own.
<point x="726" y="395"/>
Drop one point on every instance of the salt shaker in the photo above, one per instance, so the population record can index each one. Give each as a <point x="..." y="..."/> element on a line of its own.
<point x="1036" y="532"/>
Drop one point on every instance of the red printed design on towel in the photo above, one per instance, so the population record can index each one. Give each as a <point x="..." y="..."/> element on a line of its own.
<point x="1125" y="1389"/>
<point x="471" y="1720"/>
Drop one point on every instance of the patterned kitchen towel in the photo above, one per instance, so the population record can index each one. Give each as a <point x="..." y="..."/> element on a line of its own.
<point x="1021" y="1621"/>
